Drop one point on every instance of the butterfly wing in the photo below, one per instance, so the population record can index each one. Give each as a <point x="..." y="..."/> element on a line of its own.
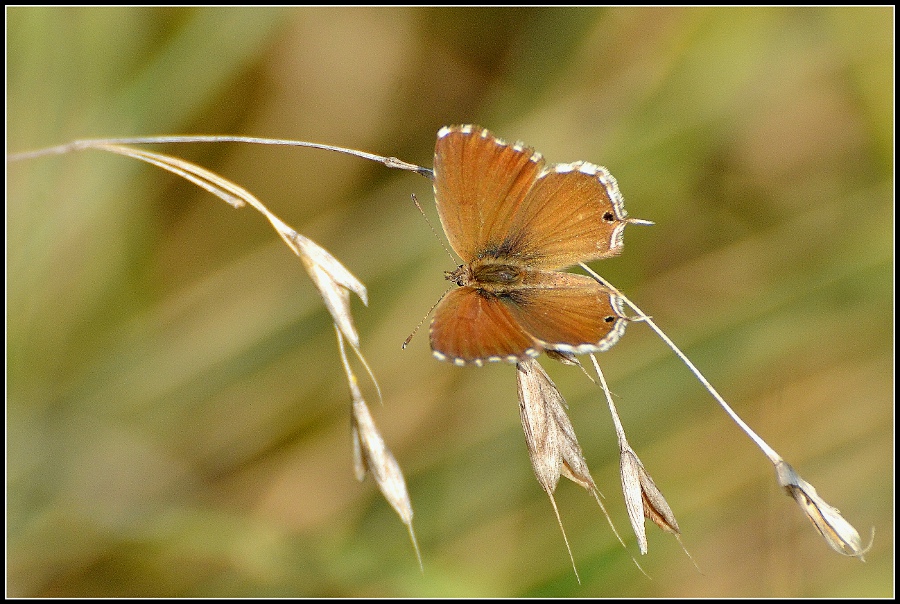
<point x="556" y="311"/>
<point x="500" y="199"/>
<point x="573" y="213"/>
<point x="569" y="313"/>
<point x="480" y="182"/>
<point x="471" y="327"/>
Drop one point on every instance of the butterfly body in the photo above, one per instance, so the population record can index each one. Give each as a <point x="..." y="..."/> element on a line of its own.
<point x="516" y="223"/>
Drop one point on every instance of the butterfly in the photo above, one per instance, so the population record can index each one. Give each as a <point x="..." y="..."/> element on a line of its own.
<point x="516" y="223"/>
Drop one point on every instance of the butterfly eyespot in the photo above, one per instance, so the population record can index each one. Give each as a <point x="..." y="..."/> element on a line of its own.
<point x="609" y="217"/>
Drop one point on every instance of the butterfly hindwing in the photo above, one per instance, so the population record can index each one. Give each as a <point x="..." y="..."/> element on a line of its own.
<point x="572" y="214"/>
<point x="569" y="313"/>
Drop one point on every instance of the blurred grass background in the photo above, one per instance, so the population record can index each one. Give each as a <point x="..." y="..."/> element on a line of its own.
<point x="177" y="417"/>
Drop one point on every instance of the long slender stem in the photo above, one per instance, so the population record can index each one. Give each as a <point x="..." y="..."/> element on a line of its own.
<point x="773" y="456"/>
<point x="390" y="162"/>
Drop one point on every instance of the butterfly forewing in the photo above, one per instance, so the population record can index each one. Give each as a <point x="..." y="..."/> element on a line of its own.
<point x="479" y="184"/>
<point x="471" y="327"/>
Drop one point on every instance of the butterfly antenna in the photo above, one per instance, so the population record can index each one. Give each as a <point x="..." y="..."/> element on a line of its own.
<point x="431" y="310"/>
<point x="434" y="232"/>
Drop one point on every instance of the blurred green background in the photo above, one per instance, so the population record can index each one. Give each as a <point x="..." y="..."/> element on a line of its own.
<point x="177" y="417"/>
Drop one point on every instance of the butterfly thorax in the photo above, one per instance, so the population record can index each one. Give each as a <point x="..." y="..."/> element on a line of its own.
<point x="489" y="274"/>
